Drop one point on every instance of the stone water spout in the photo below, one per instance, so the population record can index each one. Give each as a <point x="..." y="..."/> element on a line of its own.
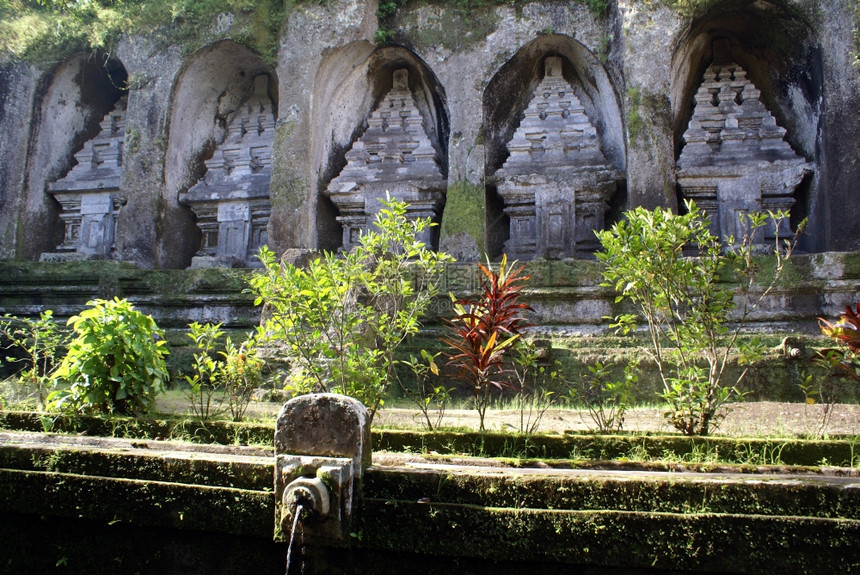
<point x="322" y="446"/>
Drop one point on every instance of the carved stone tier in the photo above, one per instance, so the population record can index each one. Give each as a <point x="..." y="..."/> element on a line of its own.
<point x="556" y="184"/>
<point x="393" y="156"/>
<point x="231" y="202"/>
<point x="89" y="193"/>
<point x="735" y="159"/>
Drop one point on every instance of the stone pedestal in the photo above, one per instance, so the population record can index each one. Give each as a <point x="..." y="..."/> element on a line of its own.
<point x="231" y="202"/>
<point x="322" y="447"/>
<point x="89" y="193"/>
<point x="556" y="184"/>
<point x="735" y="159"/>
<point x="395" y="158"/>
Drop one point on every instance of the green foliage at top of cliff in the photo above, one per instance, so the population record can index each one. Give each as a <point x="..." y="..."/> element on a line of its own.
<point x="48" y="30"/>
<point x="42" y="31"/>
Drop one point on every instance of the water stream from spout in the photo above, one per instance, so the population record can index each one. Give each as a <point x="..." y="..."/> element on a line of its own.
<point x="293" y="535"/>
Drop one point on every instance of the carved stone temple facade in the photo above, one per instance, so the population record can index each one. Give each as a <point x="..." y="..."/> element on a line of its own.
<point x="735" y="159"/>
<point x="520" y="129"/>
<point x="89" y="194"/>
<point x="231" y="201"/>
<point x="393" y="158"/>
<point x="556" y="184"/>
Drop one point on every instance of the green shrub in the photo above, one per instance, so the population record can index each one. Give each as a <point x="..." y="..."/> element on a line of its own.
<point x="686" y="304"/>
<point x="115" y="362"/>
<point x="38" y="340"/>
<point x="215" y="381"/>
<point x="606" y="400"/>
<point x="482" y="331"/>
<point x="202" y="382"/>
<point x="425" y="389"/>
<point x="339" y="321"/>
<point x="241" y="372"/>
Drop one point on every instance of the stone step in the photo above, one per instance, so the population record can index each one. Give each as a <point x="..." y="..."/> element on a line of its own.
<point x="797" y="495"/>
<point x="222" y="466"/>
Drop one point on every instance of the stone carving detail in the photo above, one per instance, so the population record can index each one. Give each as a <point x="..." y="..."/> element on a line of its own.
<point x="735" y="159"/>
<point x="89" y="193"/>
<point x="231" y="201"/>
<point x="556" y="183"/>
<point x="394" y="156"/>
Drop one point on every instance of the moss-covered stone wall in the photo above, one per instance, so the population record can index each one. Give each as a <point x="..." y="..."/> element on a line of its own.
<point x="197" y="509"/>
<point x="570" y="311"/>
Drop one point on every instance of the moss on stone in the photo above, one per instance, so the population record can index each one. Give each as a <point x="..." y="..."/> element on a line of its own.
<point x="684" y="494"/>
<point x="792" y="452"/>
<point x="723" y="543"/>
<point x="196" y="431"/>
<point x="454" y="27"/>
<point x="56" y="29"/>
<point x="288" y="189"/>
<point x="464" y="211"/>
<point x="196" y="507"/>
<point x="146" y="465"/>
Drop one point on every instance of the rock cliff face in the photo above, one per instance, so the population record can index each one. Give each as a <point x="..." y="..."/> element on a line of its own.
<point x="527" y="125"/>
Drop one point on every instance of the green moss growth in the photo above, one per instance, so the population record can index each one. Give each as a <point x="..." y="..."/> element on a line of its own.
<point x="145" y="464"/>
<point x="635" y="123"/>
<point x="610" y="491"/>
<point x="47" y="31"/>
<point x="454" y="28"/>
<point x="172" y="505"/>
<point x="175" y="428"/>
<point x="578" y="447"/>
<point x="653" y="540"/>
<point x="461" y="24"/>
<point x="465" y="208"/>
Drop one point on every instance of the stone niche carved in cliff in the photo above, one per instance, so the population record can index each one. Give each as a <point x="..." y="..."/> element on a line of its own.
<point x="393" y="156"/>
<point x="735" y="159"/>
<point x="556" y="183"/>
<point x="231" y="201"/>
<point x="89" y="193"/>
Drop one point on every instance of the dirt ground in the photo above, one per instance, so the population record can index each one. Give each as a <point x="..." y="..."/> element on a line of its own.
<point x="744" y="419"/>
<point x="760" y="419"/>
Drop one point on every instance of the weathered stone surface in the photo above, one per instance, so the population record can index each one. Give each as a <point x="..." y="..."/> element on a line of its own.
<point x="18" y="84"/>
<point x="325" y="425"/>
<point x="89" y="194"/>
<point x="471" y="72"/>
<point x="322" y="449"/>
<point x="231" y="202"/>
<point x="151" y="227"/>
<point x="393" y="158"/>
<point x="556" y="183"/>
<point x="736" y="160"/>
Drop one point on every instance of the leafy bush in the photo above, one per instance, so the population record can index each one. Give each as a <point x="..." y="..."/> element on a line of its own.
<point x="339" y="321"/>
<point x="115" y="361"/>
<point x="606" y="401"/>
<point x="429" y="398"/>
<point x="532" y="383"/>
<point x="686" y="305"/>
<point x="842" y="365"/>
<point x="202" y="383"/>
<point x="845" y="360"/>
<point x="39" y="340"/>
<point x="239" y="375"/>
<point x="214" y="381"/>
<point x="482" y="331"/>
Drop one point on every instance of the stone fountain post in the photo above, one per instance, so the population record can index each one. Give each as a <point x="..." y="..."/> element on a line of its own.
<point x="322" y="446"/>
